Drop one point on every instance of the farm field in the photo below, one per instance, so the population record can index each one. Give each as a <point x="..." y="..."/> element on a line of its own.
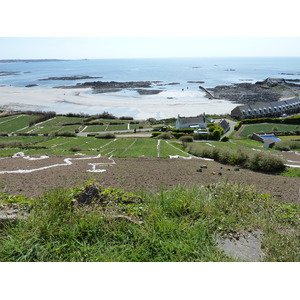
<point x="55" y="124"/>
<point x="266" y="127"/>
<point x="15" y="123"/>
<point x="121" y="147"/>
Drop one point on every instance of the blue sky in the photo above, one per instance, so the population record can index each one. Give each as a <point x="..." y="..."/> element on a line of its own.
<point x="160" y="28"/>
<point x="144" y="47"/>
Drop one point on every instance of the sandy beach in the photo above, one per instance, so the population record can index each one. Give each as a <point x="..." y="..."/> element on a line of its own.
<point x="166" y="104"/>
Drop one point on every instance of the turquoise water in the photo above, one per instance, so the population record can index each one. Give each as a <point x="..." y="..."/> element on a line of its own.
<point x="213" y="71"/>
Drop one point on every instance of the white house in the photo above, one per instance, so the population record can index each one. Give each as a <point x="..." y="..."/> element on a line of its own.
<point x="198" y="122"/>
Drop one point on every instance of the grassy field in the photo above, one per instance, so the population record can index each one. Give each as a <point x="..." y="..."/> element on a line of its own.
<point x="290" y="137"/>
<point x="121" y="147"/>
<point x="249" y="129"/>
<point x="15" y="123"/>
<point x="178" y="225"/>
<point x="54" y="125"/>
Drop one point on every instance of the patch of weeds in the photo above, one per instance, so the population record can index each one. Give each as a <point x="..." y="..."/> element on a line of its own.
<point x="291" y="172"/>
<point x="16" y="200"/>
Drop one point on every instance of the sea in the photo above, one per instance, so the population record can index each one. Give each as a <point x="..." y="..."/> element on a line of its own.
<point x="173" y="74"/>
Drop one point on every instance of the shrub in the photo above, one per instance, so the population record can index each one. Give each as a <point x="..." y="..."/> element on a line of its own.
<point x="156" y="133"/>
<point x="165" y="136"/>
<point x="125" y="118"/>
<point x="184" y="130"/>
<point x="66" y="134"/>
<point x="238" y="125"/>
<point x="10" y="144"/>
<point x="259" y="161"/>
<point x="225" y="139"/>
<point x="75" y="149"/>
<point x="200" y="136"/>
<point x="44" y="117"/>
<point x="178" y="135"/>
<point x="186" y="139"/>
<point x="265" y="162"/>
<point x="216" y="134"/>
<point x="105" y="136"/>
<point x="287" y="145"/>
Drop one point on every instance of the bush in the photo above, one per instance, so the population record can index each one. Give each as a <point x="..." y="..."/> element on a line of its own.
<point x="186" y="139"/>
<point x="125" y="118"/>
<point x="184" y="130"/>
<point x="287" y="145"/>
<point x="216" y="134"/>
<point x="238" y="125"/>
<point x="259" y="161"/>
<point x="165" y="136"/>
<point x="178" y="135"/>
<point x="200" y="136"/>
<point x="265" y="162"/>
<point x="66" y="134"/>
<point x="225" y="139"/>
<point x="105" y="136"/>
<point x="156" y="133"/>
<point x="43" y="117"/>
<point x="10" y="144"/>
<point x="75" y="149"/>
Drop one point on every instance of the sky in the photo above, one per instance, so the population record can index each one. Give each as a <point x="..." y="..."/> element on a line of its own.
<point x="94" y="29"/>
<point x="144" y="47"/>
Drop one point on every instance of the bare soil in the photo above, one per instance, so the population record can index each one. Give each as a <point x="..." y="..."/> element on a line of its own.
<point x="135" y="174"/>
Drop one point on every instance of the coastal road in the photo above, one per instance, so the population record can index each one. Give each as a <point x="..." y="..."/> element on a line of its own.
<point x="231" y="124"/>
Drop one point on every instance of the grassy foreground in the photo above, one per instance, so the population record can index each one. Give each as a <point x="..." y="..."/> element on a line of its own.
<point x="92" y="224"/>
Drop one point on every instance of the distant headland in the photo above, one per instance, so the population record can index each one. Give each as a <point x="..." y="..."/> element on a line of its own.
<point x="7" y="61"/>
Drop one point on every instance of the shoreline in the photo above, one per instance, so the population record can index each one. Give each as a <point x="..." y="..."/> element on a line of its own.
<point x="167" y="104"/>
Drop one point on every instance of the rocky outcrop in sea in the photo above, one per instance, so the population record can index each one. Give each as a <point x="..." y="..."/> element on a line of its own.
<point x="265" y="91"/>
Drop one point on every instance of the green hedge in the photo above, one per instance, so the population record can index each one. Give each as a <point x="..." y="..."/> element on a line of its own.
<point x="256" y="161"/>
<point x="238" y="125"/>
<point x="291" y="120"/>
<point x="184" y="130"/>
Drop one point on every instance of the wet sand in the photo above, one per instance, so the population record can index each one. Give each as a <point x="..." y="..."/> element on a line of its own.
<point x="166" y="104"/>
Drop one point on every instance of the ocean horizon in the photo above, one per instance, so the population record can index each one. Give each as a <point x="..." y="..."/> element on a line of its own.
<point x="177" y="78"/>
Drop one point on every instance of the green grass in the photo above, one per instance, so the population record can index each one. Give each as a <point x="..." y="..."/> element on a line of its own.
<point x="122" y="147"/>
<point x="140" y="147"/>
<point x="249" y="129"/>
<point x="15" y="123"/>
<point x="291" y="172"/>
<point x="54" y="125"/>
<point x="171" y="148"/>
<point x="289" y="137"/>
<point x="172" y="225"/>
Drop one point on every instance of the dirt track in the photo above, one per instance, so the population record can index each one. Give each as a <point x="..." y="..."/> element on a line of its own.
<point x="133" y="174"/>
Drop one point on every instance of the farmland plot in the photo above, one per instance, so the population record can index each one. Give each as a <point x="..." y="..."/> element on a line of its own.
<point x="15" y="123"/>
<point x="55" y="125"/>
